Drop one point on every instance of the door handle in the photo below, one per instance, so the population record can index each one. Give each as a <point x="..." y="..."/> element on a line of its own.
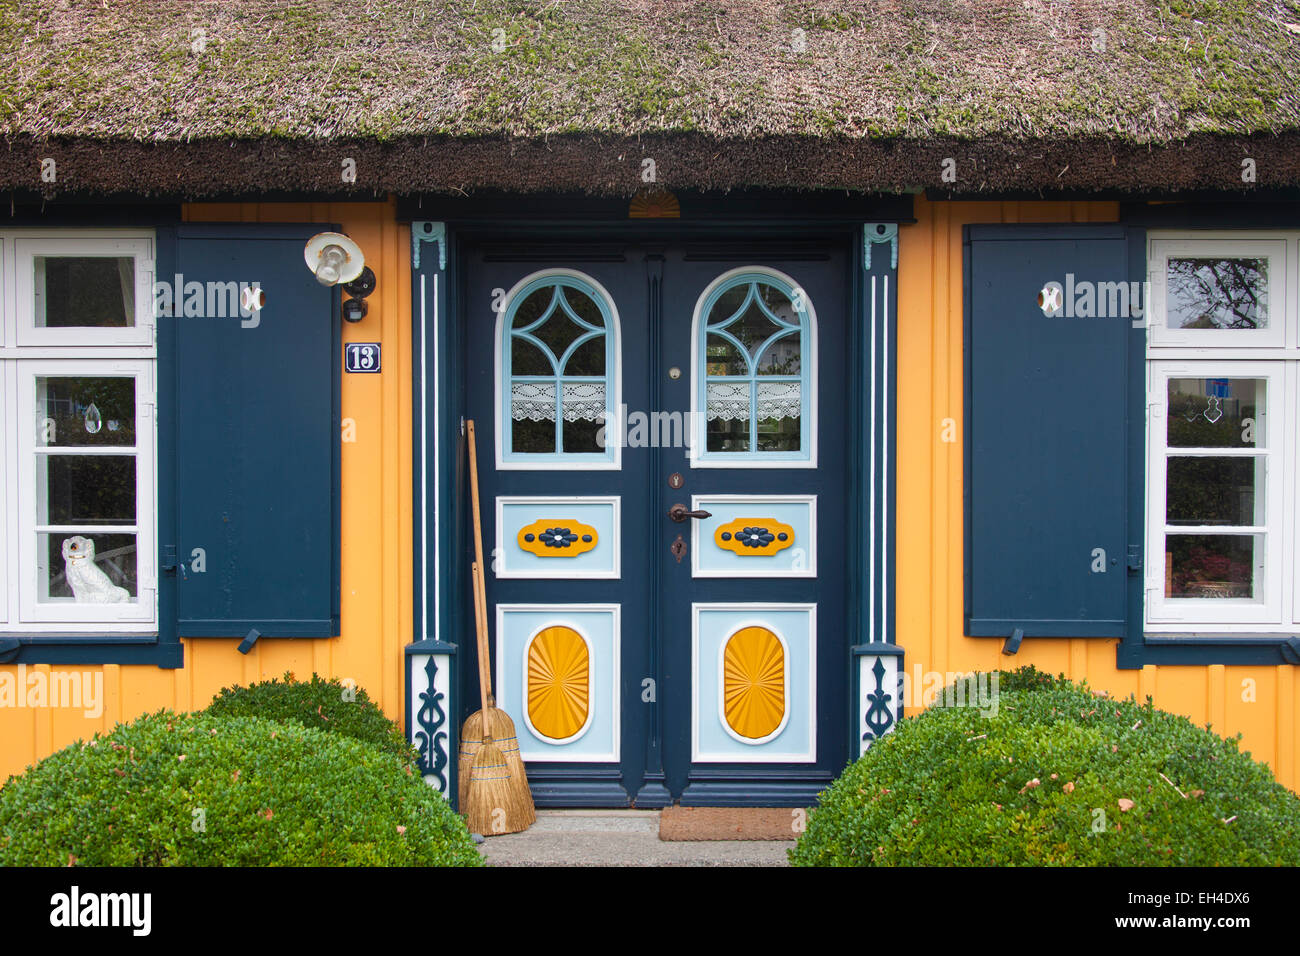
<point x="679" y="513"/>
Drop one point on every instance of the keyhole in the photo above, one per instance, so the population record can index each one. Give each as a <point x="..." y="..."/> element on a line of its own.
<point x="678" y="548"/>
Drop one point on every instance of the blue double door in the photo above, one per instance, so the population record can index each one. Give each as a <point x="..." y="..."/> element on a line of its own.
<point x="664" y="466"/>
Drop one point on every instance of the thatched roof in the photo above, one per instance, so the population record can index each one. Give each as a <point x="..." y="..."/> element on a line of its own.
<point x="129" y="95"/>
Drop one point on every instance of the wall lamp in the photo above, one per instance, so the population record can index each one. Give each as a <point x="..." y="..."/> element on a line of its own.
<point x="337" y="260"/>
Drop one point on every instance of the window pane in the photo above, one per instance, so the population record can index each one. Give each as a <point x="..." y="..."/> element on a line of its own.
<point x="728" y="434"/>
<point x="781" y="357"/>
<point x="580" y="436"/>
<point x="1216" y="412"/>
<point x="588" y="358"/>
<point x="85" y="291"/>
<point x="1214" y="566"/>
<point x="778" y="434"/>
<point x="753" y="327"/>
<point x="1217" y="293"/>
<point x="87" y="489"/>
<point x="85" y="411"/>
<point x="533" y="437"/>
<point x="558" y="333"/>
<point x="584" y="307"/>
<point x="70" y="573"/>
<point x="527" y="359"/>
<point x="723" y="358"/>
<point x="1215" y="491"/>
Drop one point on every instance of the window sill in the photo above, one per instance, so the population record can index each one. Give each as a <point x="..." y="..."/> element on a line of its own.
<point x="1201" y="649"/>
<point x="90" y="649"/>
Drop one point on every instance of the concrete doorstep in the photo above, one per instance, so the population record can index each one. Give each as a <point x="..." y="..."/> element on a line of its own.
<point x="619" y="838"/>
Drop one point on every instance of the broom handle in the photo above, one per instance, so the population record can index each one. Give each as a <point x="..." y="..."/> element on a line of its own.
<point x="484" y="681"/>
<point x="481" y="621"/>
<point x="480" y="608"/>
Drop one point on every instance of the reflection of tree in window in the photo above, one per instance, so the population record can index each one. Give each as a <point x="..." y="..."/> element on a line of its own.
<point x="1218" y="293"/>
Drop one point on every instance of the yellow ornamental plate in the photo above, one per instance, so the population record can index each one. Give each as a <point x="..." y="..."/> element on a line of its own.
<point x="557" y="538"/>
<point x="753" y="682"/>
<point x="559" y="682"/>
<point x="754" y="537"/>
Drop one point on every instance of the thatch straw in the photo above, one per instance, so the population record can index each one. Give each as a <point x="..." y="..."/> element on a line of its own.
<point x="848" y="94"/>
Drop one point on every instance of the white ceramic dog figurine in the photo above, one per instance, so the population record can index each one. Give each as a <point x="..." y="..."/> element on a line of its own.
<point x="89" y="584"/>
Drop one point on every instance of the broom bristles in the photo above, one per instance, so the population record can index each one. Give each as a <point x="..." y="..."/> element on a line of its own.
<point x="502" y="730"/>
<point x="492" y="803"/>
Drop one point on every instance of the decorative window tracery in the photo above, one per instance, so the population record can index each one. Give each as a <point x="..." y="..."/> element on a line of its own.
<point x="558" y="365"/>
<point x="755" y="335"/>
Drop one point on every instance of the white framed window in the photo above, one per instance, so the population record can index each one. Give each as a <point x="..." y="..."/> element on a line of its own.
<point x="753" y="373"/>
<point x="78" y="443"/>
<point x="558" y="374"/>
<point x="79" y="291"/>
<point x="1219" y="292"/>
<point x="1223" y="403"/>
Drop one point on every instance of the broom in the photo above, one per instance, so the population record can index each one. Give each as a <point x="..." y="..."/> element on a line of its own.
<point x="493" y="788"/>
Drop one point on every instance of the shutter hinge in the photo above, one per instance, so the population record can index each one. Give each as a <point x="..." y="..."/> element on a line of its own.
<point x="169" y="559"/>
<point x="1135" y="557"/>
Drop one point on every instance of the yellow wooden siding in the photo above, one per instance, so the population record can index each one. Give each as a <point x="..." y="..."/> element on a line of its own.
<point x="376" y="595"/>
<point x="930" y="521"/>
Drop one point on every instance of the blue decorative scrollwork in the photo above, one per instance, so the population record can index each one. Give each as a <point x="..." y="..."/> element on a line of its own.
<point x="879" y="717"/>
<point x="430" y="739"/>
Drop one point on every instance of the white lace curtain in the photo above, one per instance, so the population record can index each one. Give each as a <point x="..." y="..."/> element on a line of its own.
<point x="729" y="401"/>
<point x="535" y="401"/>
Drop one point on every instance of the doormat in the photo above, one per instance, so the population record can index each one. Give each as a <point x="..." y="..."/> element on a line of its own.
<point x="731" y="823"/>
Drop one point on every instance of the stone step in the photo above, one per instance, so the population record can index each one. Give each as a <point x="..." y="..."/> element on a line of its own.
<point x="619" y="838"/>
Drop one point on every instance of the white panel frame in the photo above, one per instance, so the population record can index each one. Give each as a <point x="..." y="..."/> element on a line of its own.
<point x="760" y="569"/>
<point x="501" y="567"/>
<point x="757" y="756"/>
<point x="557" y="612"/>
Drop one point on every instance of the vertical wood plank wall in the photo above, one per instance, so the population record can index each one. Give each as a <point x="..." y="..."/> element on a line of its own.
<point x="376" y="595"/>
<point x="1258" y="702"/>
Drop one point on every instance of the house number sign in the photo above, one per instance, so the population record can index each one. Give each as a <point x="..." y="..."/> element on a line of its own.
<point x="361" y="357"/>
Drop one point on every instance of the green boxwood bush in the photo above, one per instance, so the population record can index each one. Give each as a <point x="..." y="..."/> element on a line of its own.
<point x="326" y="705"/>
<point x="198" y="790"/>
<point x="1058" y="776"/>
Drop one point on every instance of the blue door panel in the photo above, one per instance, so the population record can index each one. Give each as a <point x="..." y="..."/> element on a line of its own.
<point x="257" y="439"/>
<point x="1046" y="437"/>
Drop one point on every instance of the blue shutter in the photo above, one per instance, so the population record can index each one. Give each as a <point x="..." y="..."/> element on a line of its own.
<point x="1053" y="435"/>
<point x="249" y="438"/>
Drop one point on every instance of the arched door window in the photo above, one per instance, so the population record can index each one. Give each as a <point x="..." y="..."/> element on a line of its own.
<point x="557" y="363"/>
<point x="754" y="350"/>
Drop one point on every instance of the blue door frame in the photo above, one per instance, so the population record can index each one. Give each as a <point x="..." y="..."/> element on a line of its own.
<point x="855" y="696"/>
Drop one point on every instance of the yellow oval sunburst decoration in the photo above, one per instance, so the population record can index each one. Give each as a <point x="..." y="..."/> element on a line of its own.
<point x="753" y="682"/>
<point x="559" y="682"/>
